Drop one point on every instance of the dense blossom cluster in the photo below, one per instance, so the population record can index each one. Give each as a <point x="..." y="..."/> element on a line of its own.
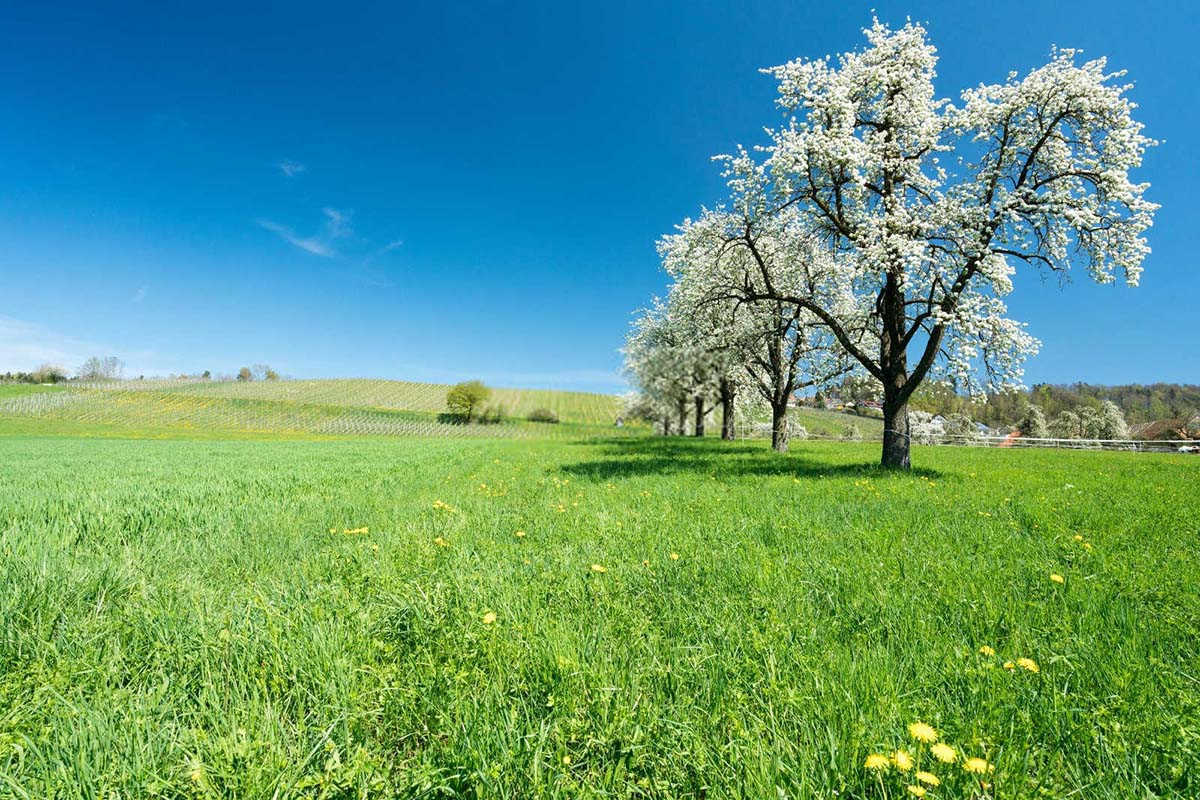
<point x="881" y="222"/>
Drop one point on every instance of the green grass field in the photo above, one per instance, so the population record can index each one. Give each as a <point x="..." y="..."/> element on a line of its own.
<point x="330" y="408"/>
<point x="360" y="618"/>
<point x="351" y="407"/>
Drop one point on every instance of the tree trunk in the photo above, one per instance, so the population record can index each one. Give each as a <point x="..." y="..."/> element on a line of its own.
<point x="893" y="361"/>
<point x="683" y="404"/>
<point x="727" y="397"/>
<point x="779" y="427"/>
<point x="895" y="433"/>
<point x="666" y="425"/>
<point x="700" y="416"/>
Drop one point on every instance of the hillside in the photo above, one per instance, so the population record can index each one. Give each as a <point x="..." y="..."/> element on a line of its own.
<point x="318" y="407"/>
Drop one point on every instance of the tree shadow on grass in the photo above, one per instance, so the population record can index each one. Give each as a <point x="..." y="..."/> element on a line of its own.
<point x="674" y="456"/>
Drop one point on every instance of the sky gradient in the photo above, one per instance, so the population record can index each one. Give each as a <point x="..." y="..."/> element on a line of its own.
<point x="459" y="191"/>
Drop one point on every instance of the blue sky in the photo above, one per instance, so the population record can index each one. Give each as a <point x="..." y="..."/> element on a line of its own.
<point x="444" y="191"/>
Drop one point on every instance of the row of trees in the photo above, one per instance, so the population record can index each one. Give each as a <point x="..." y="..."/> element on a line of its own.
<point x="878" y="229"/>
<point x="112" y="368"/>
<point x="94" y="369"/>
<point x="1086" y="422"/>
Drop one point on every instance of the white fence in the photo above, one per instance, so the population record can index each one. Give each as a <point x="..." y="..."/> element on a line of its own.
<point x="1130" y="445"/>
<point x="763" y="431"/>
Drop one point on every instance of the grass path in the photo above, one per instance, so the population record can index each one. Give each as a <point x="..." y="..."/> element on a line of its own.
<point x="211" y="619"/>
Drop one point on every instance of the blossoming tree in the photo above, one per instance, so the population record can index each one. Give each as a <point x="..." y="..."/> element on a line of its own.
<point x="773" y="348"/>
<point x="926" y="207"/>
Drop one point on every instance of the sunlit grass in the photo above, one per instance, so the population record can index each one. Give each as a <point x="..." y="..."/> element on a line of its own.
<point x="360" y="618"/>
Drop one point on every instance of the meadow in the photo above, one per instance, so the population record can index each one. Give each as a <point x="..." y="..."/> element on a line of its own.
<point x="331" y="408"/>
<point x="591" y="617"/>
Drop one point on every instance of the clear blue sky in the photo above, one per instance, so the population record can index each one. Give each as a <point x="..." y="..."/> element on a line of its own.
<point x="437" y="191"/>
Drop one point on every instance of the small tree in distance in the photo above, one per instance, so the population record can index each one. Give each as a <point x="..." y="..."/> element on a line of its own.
<point x="465" y="398"/>
<point x="244" y="374"/>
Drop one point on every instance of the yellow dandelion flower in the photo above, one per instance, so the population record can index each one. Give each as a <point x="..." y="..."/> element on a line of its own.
<point x="1029" y="664"/>
<point x="566" y="760"/>
<point x="902" y="760"/>
<point x="520" y="534"/>
<point x="876" y="761"/>
<point x="916" y="791"/>
<point x="599" y="568"/>
<point x="489" y="618"/>
<point x="922" y="732"/>
<point x="944" y="753"/>
<point x="1087" y="545"/>
<point x="928" y="778"/>
<point x="977" y="766"/>
<point x="645" y="562"/>
<point x="674" y="556"/>
<point x="440" y="542"/>
<point x="987" y="651"/>
<point x="1009" y="665"/>
<point x="1054" y="576"/>
<point x="1078" y="538"/>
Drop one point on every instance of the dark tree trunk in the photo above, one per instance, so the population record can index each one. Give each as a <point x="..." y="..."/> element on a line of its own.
<point x="779" y="427"/>
<point x="727" y="398"/>
<point x="893" y="361"/>
<point x="895" y="434"/>
<point x="666" y="425"/>
<point x="683" y="404"/>
<point x="700" y="413"/>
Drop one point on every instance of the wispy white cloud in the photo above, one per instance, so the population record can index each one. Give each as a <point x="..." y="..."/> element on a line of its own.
<point x="25" y="346"/>
<point x="139" y="295"/>
<point x="337" y="226"/>
<point x="291" y="168"/>
<point x="387" y="248"/>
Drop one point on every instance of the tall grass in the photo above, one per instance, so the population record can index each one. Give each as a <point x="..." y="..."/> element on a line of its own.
<point x="210" y="619"/>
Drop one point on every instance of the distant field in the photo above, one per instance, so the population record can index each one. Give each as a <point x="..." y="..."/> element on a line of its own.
<point x="325" y="408"/>
<point x="634" y="618"/>
<point x="320" y="408"/>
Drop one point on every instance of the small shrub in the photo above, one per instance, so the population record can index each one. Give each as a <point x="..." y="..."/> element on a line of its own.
<point x="542" y="415"/>
<point x="852" y="434"/>
<point x="492" y="415"/>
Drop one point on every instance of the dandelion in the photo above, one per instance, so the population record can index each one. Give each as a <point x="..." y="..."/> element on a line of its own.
<point x="1087" y="545"/>
<point x="489" y="618"/>
<point x="902" y="760"/>
<point x="440" y="542"/>
<point x="674" y="556"/>
<point x="977" y="766"/>
<point x="876" y="761"/>
<point x="1009" y="665"/>
<point x="1029" y="664"/>
<point x="599" y="568"/>
<point x="520" y="534"/>
<point x="1077" y="538"/>
<point x="943" y="752"/>
<point x="922" y="732"/>
<point x="987" y="651"/>
<point x="645" y="562"/>
<point x="1054" y="576"/>
<point x="916" y="791"/>
<point x="928" y="778"/>
<point x="566" y="760"/>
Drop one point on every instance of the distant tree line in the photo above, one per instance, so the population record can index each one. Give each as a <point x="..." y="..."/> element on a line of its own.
<point x="111" y="368"/>
<point x="1137" y="402"/>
